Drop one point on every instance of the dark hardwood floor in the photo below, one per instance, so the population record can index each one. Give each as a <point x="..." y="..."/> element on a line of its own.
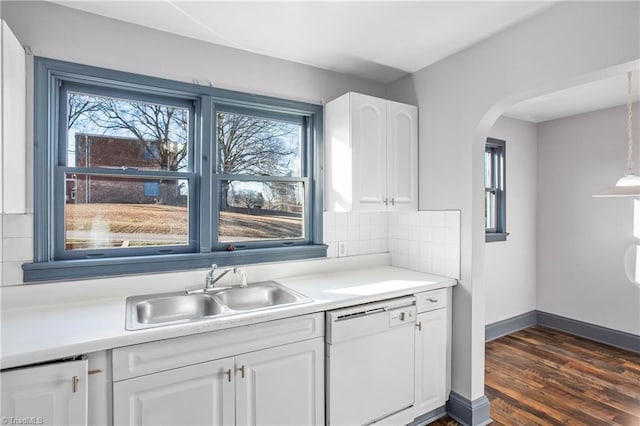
<point x="541" y="376"/>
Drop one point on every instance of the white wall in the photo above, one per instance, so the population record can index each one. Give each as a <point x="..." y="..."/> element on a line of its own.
<point x="62" y="33"/>
<point x="510" y="266"/>
<point x="582" y="240"/>
<point x="459" y="99"/>
<point x="58" y="32"/>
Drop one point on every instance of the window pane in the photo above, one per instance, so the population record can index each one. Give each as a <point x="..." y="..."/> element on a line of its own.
<point x="257" y="146"/>
<point x="255" y="211"/>
<point x="115" y="133"/>
<point x="491" y="211"/>
<point x="500" y="170"/>
<point x="107" y="212"/>
<point x="488" y="169"/>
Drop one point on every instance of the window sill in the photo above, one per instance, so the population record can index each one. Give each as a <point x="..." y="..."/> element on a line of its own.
<point x="65" y="270"/>
<point x="491" y="237"/>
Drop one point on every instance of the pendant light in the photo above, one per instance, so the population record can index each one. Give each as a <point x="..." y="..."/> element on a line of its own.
<point x="629" y="184"/>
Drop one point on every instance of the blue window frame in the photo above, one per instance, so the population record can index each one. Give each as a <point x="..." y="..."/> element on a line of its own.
<point x="495" y="191"/>
<point x="135" y="174"/>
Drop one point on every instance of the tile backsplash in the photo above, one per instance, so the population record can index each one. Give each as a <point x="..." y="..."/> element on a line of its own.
<point x="425" y="241"/>
<point x="16" y="236"/>
<point x="355" y="233"/>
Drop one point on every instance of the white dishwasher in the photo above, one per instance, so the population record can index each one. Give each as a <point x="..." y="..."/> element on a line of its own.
<point x="370" y="361"/>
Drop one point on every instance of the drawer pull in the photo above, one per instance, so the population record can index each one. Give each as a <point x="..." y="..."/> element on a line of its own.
<point x="228" y="373"/>
<point x="92" y="372"/>
<point x="432" y="300"/>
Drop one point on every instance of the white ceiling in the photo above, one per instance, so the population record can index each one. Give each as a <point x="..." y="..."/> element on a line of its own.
<point x="379" y="40"/>
<point x="588" y="97"/>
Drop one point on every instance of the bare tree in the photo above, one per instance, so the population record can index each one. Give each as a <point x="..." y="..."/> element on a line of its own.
<point x="248" y="198"/>
<point x="246" y="145"/>
<point x="78" y="108"/>
<point x="283" y="196"/>
<point x="253" y="146"/>
<point x="163" y="130"/>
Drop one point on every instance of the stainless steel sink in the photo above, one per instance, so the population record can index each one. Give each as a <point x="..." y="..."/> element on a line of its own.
<point x="170" y="308"/>
<point x="259" y="296"/>
<point x="176" y="308"/>
<point x="154" y="310"/>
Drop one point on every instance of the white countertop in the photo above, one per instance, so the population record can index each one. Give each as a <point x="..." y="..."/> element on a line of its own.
<point x="48" y="332"/>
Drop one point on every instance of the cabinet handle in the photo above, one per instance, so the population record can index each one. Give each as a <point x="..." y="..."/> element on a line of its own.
<point x="393" y="201"/>
<point x="228" y="373"/>
<point x="432" y="300"/>
<point x="241" y="371"/>
<point x="75" y="384"/>
<point x="386" y="201"/>
<point x="419" y="325"/>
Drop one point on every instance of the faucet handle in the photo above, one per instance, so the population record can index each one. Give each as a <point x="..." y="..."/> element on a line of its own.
<point x="243" y="276"/>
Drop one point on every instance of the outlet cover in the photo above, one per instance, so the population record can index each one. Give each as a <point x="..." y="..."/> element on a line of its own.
<point x="342" y="249"/>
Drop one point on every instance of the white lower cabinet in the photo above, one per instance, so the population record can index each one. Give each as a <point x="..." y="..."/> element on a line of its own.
<point x="201" y="394"/>
<point x="433" y="350"/>
<point x="431" y="360"/>
<point x="271" y="379"/>
<point x="282" y="385"/>
<point x="52" y="394"/>
<point x="276" y="386"/>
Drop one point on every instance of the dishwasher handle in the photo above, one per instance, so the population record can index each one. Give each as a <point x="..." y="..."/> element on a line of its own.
<point x="359" y="314"/>
<point x="369" y="309"/>
<point x="347" y="324"/>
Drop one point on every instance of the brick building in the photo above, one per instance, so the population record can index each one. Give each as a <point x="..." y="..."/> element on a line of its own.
<point x="94" y="151"/>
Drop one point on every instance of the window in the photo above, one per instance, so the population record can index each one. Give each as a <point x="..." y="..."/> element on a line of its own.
<point x="260" y="177"/>
<point x="125" y="156"/>
<point x="494" y="190"/>
<point x="136" y="174"/>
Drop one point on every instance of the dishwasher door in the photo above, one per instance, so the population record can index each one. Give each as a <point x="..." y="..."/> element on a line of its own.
<point x="370" y="362"/>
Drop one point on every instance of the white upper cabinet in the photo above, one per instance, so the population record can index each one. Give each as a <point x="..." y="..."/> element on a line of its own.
<point x="371" y="160"/>
<point x="368" y="151"/>
<point x="402" y="155"/>
<point x="53" y="394"/>
<point x="13" y="84"/>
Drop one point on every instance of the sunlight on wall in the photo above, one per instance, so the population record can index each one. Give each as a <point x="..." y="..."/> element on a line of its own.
<point x="341" y="169"/>
<point x="632" y="255"/>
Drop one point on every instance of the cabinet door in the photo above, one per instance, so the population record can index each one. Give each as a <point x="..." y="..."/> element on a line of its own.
<point x="54" y="394"/>
<point x="200" y="394"/>
<point x="13" y="123"/>
<point x="282" y="385"/>
<point x="369" y="152"/>
<point x="431" y="360"/>
<point x="402" y="156"/>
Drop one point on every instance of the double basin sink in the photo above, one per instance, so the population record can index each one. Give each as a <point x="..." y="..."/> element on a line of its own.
<point x="156" y="310"/>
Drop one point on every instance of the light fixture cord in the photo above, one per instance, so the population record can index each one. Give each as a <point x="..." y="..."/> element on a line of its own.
<point x="629" y="127"/>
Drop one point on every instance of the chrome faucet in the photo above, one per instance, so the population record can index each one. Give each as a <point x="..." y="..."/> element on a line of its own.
<point x="210" y="280"/>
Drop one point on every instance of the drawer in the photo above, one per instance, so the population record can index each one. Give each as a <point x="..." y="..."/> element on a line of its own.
<point x="152" y="357"/>
<point x="430" y="300"/>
